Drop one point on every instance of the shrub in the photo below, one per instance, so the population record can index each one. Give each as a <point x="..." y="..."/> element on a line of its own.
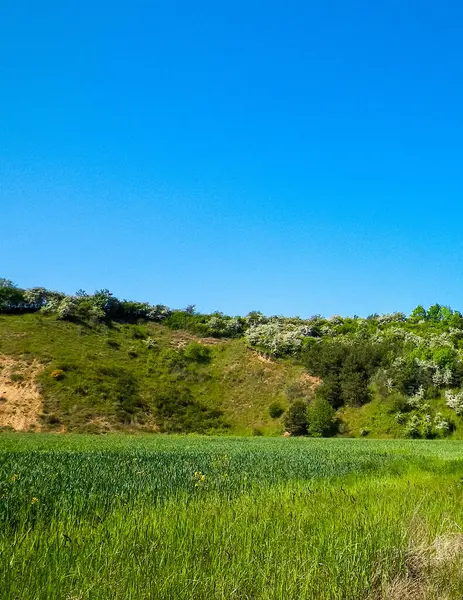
<point x="113" y="344"/>
<point x="295" y="420"/>
<point x="220" y="325"/>
<point x="354" y="389"/>
<point x="67" y="308"/>
<point x="399" y="418"/>
<point x="455" y="401"/>
<point x="275" y="339"/>
<point x="11" y="297"/>
<point x="180" y="319"/>
<point x="176" y="411"/>
<point x="150" y="343"/>
<point x="346" y="369"/>
<point x="412" y="428"/>
<point x="275" y="410"/>
<point x="195" y="352"/>
<point x="320" y="416"/>
<point x="17" y="377"/>
<point x="426" y="427"/>
<point x="442" y="426"/>
<point x="137" y="332"/>
<point x="51" y="419"/>
<point x="57" y="374"/>
<point x="397" y="403"/>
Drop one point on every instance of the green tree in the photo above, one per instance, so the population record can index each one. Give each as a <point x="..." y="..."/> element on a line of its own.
<point x="11" y="297"/>
<point x="295" y="419"/>
<point x="320" y="417"/>
<point x="435" y="313"/>
<point x="418" y="314"/>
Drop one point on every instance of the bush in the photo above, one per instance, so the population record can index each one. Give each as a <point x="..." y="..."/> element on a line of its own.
<point x="137" y="332"/>
<point x="275" y="339"/>
<point x="397" y="403"/>
<point x="320" y="417"/>
<point x="11" y="297"/>
<point x="195" y="323"/>
<point x="113" y="344"/>
<point x="17" y="377"/>
<point x="120" y="386"/>
<point x="176" y="411"/>
<point x="295" y="420"/>
<point x="412" y="428"/>
<point x="150" y="343"/>
<point x="220" y="325"/>
<point x="275" y="410"/>
<point x="195" y="352"/>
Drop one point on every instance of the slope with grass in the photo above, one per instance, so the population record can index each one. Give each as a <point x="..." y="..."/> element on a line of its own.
<point x="100" y="377"/>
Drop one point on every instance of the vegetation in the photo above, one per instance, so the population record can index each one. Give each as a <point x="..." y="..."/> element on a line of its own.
<point x="100" y="377"/>
<point x="193" y="518"/>
<point x="116" y="364"/>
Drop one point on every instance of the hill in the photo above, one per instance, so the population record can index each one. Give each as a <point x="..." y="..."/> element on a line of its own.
<point x="65" y="376"/>
<point x="93" y="363"/>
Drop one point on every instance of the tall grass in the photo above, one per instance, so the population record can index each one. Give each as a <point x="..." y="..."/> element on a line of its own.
<point x="192" y="518"/>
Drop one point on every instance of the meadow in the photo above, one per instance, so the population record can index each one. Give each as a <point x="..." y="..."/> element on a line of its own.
<point x="193" y="517"/>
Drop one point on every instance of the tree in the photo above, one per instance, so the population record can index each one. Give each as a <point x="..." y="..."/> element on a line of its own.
<point x="11" y="297"/>
<point x="320" y="417"/>
<point x="295" y="419"/>
<point x="7" y="283"/>
<point x="354" y="388"/>
<point x="418" y="314"/>
<point x="435" y="313"/>
<point x="37" y="298"/>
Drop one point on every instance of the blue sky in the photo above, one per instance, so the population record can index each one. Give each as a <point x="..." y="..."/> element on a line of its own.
<point x="292" y="157"/>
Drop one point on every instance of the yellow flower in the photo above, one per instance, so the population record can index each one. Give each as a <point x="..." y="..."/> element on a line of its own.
<point x="35" y="500"/>
<point x="57" y="374"/>
<point x="14" y="477"/>
<point x="200" y="478"/>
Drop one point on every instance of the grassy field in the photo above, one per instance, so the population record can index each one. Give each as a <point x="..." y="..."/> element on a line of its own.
<point x="167" y="517"/>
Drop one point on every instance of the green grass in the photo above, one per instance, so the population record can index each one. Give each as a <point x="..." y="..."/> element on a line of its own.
<point x="194" y="517"/>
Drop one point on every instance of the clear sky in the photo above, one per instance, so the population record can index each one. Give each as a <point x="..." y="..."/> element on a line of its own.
<point x="293" y="157"/>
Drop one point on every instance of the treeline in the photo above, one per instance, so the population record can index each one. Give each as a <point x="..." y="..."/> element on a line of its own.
<point x="100" y="306"/>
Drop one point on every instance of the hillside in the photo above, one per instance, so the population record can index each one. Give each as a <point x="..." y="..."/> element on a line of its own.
<point x="99" y="378"/>
<point x="93" y="363"/>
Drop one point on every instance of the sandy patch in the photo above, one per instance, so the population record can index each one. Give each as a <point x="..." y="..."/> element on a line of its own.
<point x="20" y="401"/>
